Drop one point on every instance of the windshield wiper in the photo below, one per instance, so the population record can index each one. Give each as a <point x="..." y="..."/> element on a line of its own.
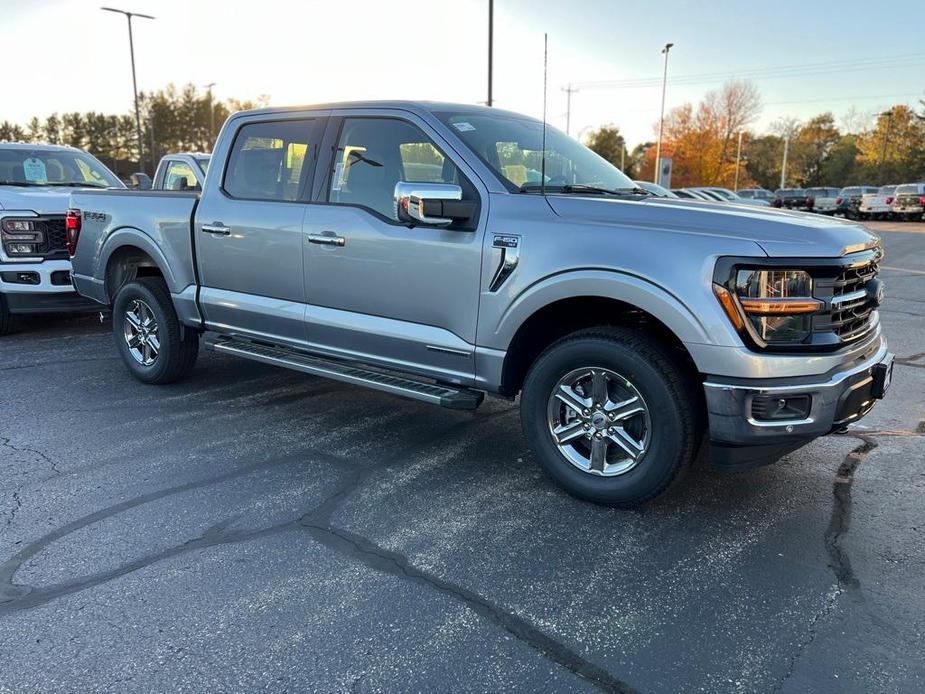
<point x="566" y="188"/>
<point x="634" y="191"/>
<point x="74" y="184"/>
<point x="21" y="184"/>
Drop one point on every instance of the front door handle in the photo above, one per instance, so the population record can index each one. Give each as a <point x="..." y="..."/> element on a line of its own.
<point x="216" y="228"/>
<point x="327" y="239"/>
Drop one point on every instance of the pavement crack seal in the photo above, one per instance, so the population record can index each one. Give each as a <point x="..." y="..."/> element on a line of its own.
<point x="840" y="520"/>
<point x="839" y="523"/>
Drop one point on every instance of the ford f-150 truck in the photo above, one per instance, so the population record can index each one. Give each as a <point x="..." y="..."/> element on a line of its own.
<point x="441" y="252"/>
<point x="35" y="270"/>
<point x="181" y="171"/>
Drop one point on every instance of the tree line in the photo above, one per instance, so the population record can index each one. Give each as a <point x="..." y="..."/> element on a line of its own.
<point x="703" y="142"/>
<point x="172" y="120"/>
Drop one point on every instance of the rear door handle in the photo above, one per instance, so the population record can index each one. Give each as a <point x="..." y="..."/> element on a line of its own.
<point x="216" y="228"/>
<point x="327" y="239"/>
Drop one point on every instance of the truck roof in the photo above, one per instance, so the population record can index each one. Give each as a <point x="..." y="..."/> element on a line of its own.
<point x="413" y="106"/>
<point x="38" y="145"/>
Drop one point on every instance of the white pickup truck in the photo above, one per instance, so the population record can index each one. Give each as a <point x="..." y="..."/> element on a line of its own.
<point x="181" y="171"/>
<point x="35" y="270"/>
<point x="878" y="205"/>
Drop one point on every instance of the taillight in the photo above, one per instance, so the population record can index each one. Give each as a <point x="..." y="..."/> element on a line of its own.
<point x="810" y="202"/>
<point x="72" y="226"/>
<point x="839" y="201"/>
<point x="922" y="200"/>
<point x="889" y="201"/>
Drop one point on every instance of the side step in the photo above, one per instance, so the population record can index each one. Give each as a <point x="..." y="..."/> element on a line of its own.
<point x="452" y="397"/>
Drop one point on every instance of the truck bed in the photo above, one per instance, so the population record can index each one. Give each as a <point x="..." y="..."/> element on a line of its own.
<point x="163" y="217"/>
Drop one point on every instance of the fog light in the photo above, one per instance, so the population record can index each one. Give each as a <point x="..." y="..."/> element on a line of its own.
<point x="769" y="408"/>
<point x="22" y="248"/>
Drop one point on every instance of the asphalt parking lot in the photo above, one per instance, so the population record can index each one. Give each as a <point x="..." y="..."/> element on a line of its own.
<point x="254" y="529"/>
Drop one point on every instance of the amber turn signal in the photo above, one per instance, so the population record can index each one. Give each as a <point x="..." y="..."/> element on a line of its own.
<point x="729" y="306"/>
<point x="778" y="307"/>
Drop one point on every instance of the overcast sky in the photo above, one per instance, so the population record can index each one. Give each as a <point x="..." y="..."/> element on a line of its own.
<point x="805" y="57"/>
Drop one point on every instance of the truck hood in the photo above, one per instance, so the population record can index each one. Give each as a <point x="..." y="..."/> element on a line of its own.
<point x="39" y="199"/>
<point x="779" y="233"/>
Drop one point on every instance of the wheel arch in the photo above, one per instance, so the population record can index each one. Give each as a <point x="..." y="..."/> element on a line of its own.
<point x="559" y="308"/>
<point x="128" y="254"/>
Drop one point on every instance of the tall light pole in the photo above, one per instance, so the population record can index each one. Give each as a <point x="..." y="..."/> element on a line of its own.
<point x="491" y="46"/>
<point x="783" y="168"/>
<point x="738" y="158"/>
<point x="661" y="118"/>
<point x="211" y="113"/>
<point x="131" y="48"/>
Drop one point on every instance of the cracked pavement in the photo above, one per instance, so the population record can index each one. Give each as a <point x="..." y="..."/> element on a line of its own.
<point x="252" y="528"/>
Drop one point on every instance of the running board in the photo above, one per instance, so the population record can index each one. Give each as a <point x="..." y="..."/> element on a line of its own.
<point x="452" y="397"/>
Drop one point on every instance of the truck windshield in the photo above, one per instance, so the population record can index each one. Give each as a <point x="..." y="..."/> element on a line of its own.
<point x="513" y="148"/>
<point x="50" y="167"/>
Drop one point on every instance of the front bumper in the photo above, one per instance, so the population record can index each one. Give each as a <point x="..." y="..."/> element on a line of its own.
<point x="741" y="440"/>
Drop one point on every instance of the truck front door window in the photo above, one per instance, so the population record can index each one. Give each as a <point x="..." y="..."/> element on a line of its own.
<point x="373" y="154"/>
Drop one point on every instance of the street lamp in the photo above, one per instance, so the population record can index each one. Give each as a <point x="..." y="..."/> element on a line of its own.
<point x="211" y="112"/>
<point x="491" y="47"/>
<point x="131" y="48"/>
<point x="886" y="138"/>
<point x="661" y="118"/>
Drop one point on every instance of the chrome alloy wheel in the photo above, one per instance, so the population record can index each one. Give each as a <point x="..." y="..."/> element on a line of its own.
<point x="140" y="330"/>
<point x="599" y="421"/>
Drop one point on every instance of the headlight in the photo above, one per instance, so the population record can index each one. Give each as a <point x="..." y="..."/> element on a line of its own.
<point x="21" y="237"/>
<point x="775" y="306"/>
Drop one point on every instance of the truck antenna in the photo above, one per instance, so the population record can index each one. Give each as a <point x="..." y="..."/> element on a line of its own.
<point x="543" y="155"/>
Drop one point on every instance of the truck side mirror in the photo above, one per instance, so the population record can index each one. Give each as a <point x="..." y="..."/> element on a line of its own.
<point x="436" y="204"/>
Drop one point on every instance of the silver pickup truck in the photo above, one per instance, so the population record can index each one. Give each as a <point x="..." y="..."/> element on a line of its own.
<point x="441" y="252"/>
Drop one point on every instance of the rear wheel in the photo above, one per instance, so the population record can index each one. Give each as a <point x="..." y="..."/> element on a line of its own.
<point x="148" y="334"/>
<point x="6" y="318"/>
<point x="612" y="416"/>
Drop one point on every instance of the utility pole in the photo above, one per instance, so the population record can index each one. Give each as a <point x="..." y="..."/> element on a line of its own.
<point x="738" y="158"/>
<point x="886" y="139"/>
<point x="211" y="114"/>
<point x="661" y="118"/>
<point x="569" y="90"/>
<point x="491" y="47"/>
<point x="131" y="48"/>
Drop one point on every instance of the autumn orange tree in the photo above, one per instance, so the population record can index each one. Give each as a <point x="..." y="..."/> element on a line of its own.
<point x="702" y="141"/>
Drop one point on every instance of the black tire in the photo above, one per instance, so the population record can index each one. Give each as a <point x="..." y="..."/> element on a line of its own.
<point x="667" y="388"/>
<point x="176" y="356"/>
<point x="6" y="318"/>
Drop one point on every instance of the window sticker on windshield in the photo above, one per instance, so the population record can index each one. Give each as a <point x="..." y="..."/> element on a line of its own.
<point x="338" y="182"/>
<point x="34" y="170"/>
<point x="463" y="126"/>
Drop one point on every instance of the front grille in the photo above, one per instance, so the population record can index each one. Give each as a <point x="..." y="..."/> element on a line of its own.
<point x="849" y="299"/>
<point x="55" y="237"/>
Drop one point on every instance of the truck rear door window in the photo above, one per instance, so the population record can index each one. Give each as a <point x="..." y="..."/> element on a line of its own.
<point x="268" y="161"/>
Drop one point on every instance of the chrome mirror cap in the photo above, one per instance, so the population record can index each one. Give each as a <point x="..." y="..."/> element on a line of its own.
<point x="410" y="199"/>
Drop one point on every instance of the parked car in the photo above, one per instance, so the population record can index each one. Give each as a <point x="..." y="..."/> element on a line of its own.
<point x="583" y="296"/>
<point x="848" y="202"/>
<point x="697" y="194"/>
<point x="877" y="205"/>
<point x="655" y="189"/>
<point x="687" y="194"/>
<point x="823" y="199"/>
<point x="35" y="270"/>
<point x="909" y="202"/>
<point x="730" y="196"/>
<point x="792" y="199"/>
<point x="181" y="171"/>
<point x="756" y="194"/>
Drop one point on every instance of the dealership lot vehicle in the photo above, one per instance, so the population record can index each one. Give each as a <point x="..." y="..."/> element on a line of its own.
<point x="181" y="171"/>
<point x="877" y="205"/>
<point x="848" y="202"/>
<point x="909" y="203"/>
<point x="35" y="181"/>
<point x="240" y="534"/>
<point x="823" y="199"/>
<point x="729" y="196"/>
<point x="757" y="194"/>
<point x="322" y="269"/>
<point x="792" y="199"/>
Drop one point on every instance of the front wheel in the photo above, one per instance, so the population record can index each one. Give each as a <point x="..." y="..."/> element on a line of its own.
<point x="148" y="333"/>
<point x="611" y="415"/>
